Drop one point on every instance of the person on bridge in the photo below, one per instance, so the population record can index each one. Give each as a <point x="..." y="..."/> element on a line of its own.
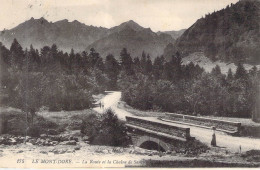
<point x="214" y="141"/>
<point x="102" y="105"/>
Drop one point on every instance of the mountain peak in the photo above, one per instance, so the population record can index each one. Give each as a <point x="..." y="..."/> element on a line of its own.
<point x="43" y="19"/>
<point x="76" y="21"/>
<point x="129" y="24"/>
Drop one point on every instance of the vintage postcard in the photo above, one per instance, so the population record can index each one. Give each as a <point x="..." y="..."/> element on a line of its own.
<point x="129" y="83"/>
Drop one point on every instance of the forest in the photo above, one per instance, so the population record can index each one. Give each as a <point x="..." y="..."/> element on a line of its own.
<point x="49" y="78"/>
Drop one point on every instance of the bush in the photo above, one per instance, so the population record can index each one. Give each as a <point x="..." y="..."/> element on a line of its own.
<point x="34" y="131"/>
<point x="90" y="125"/>
<point x="105" y="130"/>
<point x="14" y="123"/>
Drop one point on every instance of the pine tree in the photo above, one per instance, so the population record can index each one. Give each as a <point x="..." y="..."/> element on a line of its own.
<point x="149" y="65"/>
<point x="54" y="51"/>
<point x="240" y="72"/>
<point x="112" y="70"/>
<point x="216" y="71"/>
<point x="17" y="54"/>
<point x="158" y="67"/>
<point x="229" y="75"/>
<point x="126" y="62"/>
<point x="143" y="62"/>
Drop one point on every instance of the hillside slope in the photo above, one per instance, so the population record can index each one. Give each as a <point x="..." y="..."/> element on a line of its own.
<point x="231" y="34"/>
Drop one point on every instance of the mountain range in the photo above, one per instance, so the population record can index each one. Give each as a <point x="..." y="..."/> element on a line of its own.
<point x="135" y="38"/>
<point x="76" y="35"/>
<point x="230" y="35"/>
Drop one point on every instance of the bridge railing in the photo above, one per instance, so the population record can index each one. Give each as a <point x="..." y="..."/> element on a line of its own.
<point x="161" y="127"/>
<point x="222" y="125"/>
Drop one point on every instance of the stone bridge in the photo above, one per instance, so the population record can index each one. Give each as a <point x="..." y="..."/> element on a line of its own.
<point x="156" y="134"/>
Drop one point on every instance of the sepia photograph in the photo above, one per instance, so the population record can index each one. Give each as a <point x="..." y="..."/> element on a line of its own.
<point x="129" y="84"/>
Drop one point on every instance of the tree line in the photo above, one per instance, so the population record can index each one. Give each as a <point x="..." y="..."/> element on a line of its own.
<point x="173" y="87"/>
<point x="31" y="79"/>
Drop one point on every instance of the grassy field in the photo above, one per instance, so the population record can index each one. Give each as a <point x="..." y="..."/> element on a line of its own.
<point x="13" y="121"/>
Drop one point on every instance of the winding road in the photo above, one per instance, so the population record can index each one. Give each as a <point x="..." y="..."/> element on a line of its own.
<point x="231" y="143"/>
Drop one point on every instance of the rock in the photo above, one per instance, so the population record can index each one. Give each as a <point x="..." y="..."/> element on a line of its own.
<point x="6" y="141"/>
<point x="43" y="136"/>
<point x="98" y="150"/>
<point x="77" y="148"/>
<point x="71" y="151"/>
<point x="12" y="141"/>
<point x="33" y="141"/>
<point x="140" y="151"/>
<point x="73" y="142"/>
<point x="43" y="152"/>
<point x="173" y="153"/>
<point x="54" y="138"/>
<point x="168" y="152"/>
<point x="40" y="141"/>
<point x="118" y="150"/>
<point x="150" y="154"/>
<point x="131" y="151"/>
<point x="28" y="143"/>
<point x="27" y="138"/>
<point x="20" y="151"/>
<point x="55" y="151"/>
<point x="53" y="143"/>
<point x="85" y="138"/>
<point x="64" y="138"/>
<point x="63" y="151"/>
<point x="73" y="138"/>
<point x="105" y="151"/>
<point x="20" y="139"/>
<point x="53" y="132"/>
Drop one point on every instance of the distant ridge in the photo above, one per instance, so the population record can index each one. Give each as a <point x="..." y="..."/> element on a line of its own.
<point x="76" y="35"/>
<point x="65" y="34"/>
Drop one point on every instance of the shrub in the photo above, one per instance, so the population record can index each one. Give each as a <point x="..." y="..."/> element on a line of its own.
<point x="105" y="130"/>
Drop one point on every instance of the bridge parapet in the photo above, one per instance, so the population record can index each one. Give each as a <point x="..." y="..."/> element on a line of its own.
<point x="221" y="125"/>
<point x="161" y="128"/>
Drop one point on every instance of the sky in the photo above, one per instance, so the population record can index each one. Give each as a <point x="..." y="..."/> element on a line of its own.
<point x="159" y="15"/>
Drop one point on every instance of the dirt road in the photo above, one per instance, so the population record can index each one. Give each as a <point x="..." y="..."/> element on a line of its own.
<point x="231" y="143"/>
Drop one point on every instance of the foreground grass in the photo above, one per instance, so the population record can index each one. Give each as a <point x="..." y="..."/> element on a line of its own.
<point x="13" y="121"/>
<point x="70" y="122"/>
